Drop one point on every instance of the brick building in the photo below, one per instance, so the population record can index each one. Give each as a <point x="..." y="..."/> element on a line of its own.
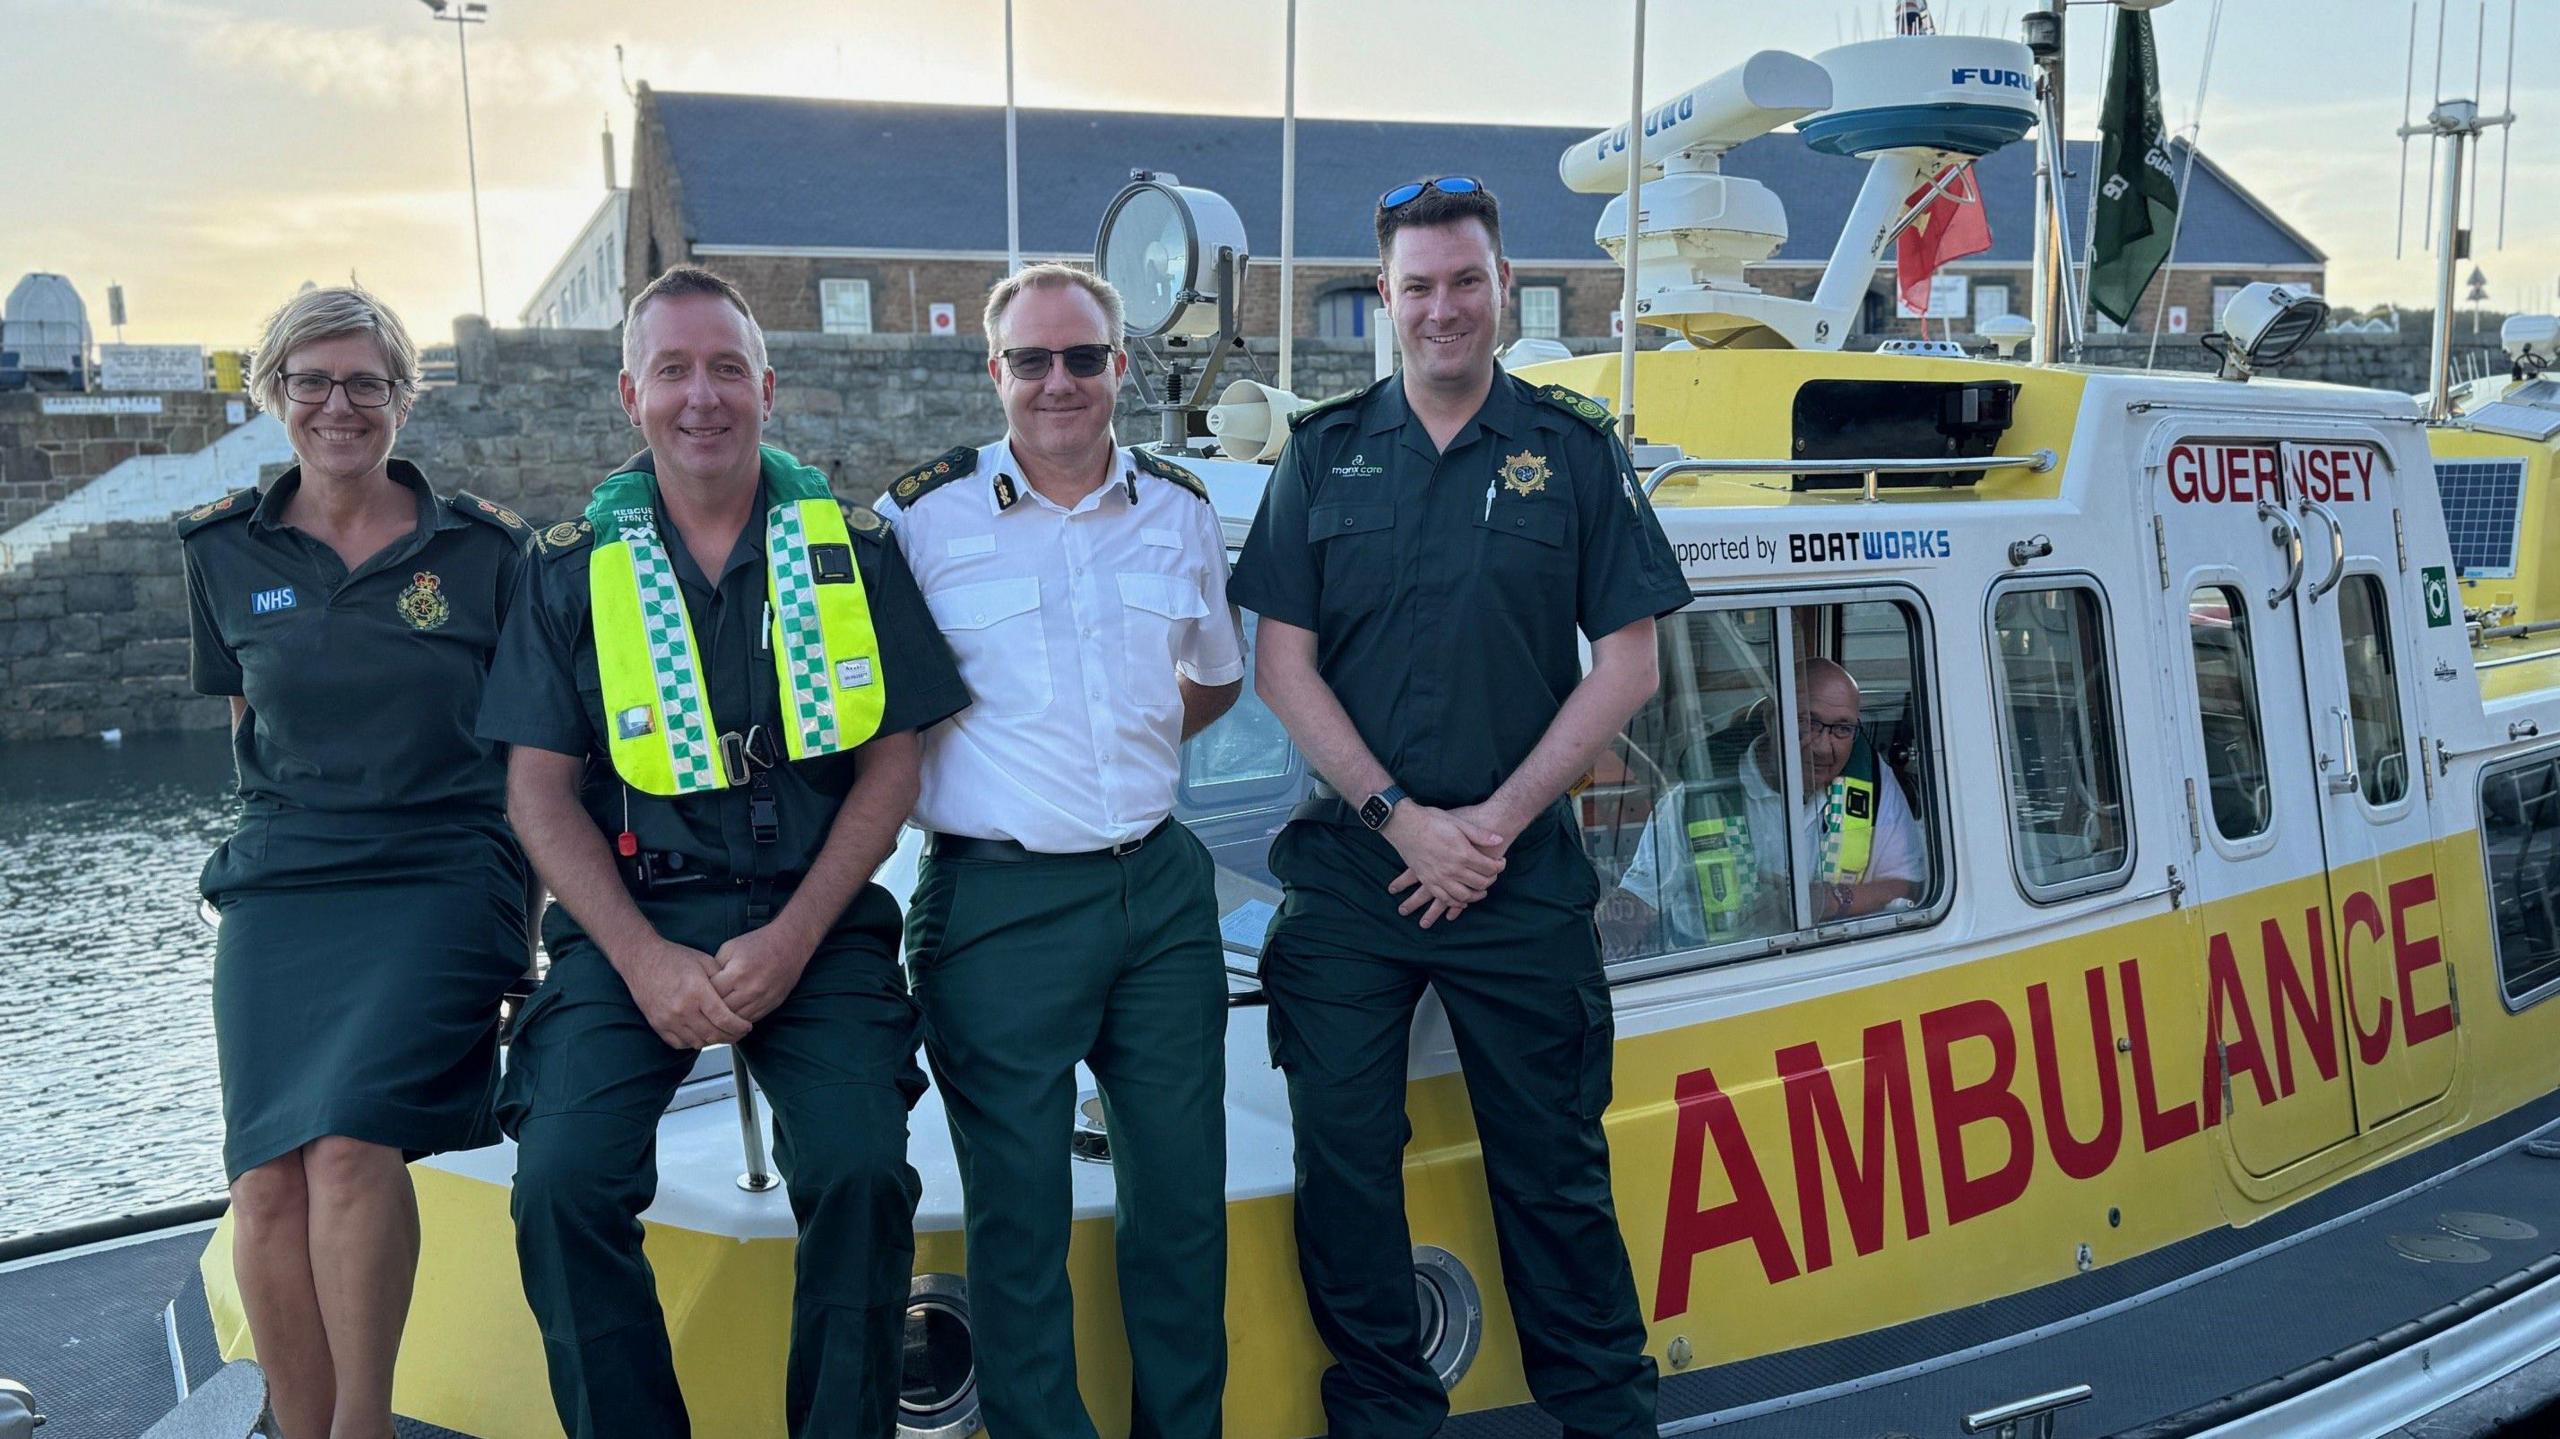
<point x="861" y="216"/>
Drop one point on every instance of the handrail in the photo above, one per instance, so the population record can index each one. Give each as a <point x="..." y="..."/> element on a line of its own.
<point x="2038" y="462"/>
<point x="2337" y="546"/>
<point x="2286" y="532"/>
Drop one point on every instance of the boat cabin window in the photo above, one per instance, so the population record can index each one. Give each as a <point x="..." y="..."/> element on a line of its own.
<point x="2055" y="686"/>
<point x="2235" y="750"/>
<point x="1240" y="778"/>
<point x="2520" y="831"/>
<point x="1777" y="790"/>
<point x="2380" y="756"/>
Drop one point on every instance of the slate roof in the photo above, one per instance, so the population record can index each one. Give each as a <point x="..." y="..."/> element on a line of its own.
<point x="776" y="171"/>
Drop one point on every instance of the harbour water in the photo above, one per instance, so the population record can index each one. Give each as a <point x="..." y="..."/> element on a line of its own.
<point x="112" y="1102"/>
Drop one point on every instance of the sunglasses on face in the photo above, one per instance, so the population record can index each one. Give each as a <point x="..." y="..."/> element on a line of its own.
<point x="1406" y="194"/>
<point x="1031" y="362"/>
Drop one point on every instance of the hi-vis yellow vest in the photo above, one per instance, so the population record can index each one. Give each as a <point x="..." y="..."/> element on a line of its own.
<point x="826" y="657"/>
<point x="1725" y="863"/>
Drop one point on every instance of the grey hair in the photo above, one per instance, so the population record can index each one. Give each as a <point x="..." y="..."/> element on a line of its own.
<point x="1050" y="275"/>
<point x="316" y="315"/>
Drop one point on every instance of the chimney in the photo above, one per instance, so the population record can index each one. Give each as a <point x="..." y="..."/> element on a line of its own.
<point x="609" y="185"/>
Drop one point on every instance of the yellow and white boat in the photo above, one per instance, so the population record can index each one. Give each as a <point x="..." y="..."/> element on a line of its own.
<point x="2205" y="1088"/>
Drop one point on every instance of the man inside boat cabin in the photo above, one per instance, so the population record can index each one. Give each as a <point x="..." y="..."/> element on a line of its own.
<point x="1424" y="557"/>
<point x="711" y="687"/>
<point x="1061" y="914"/>
<point x="1714" y="862"/>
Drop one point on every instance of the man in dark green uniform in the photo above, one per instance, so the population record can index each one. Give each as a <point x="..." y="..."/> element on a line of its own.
<point x="1421" y="562"/>
<point x="722" y="671"/>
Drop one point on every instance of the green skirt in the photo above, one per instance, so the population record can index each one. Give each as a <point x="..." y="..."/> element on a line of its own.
<point x="356" y="980"/>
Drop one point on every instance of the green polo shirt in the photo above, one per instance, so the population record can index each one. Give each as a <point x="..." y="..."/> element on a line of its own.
<point x="545" y="691"/>
<point x="1444" y="588"/>
<point x="363" y="687"/>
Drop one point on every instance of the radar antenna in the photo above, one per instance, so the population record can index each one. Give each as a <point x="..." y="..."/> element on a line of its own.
<point x="2455" y="123"/>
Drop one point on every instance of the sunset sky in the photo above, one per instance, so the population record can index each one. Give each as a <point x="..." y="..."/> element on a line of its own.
<point x="212" y="156"/>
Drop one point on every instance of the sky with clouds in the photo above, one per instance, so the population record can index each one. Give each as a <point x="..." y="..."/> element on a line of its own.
<point x="211" y="155"/>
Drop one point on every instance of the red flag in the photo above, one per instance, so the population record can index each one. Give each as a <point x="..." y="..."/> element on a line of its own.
<point x="1953" y="227"/>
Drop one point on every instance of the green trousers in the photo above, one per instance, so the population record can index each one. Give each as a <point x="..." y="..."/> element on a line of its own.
<point x="1519" y="975"/>
<point x="1023" y="969"/>
<point x="586" y="1082"/>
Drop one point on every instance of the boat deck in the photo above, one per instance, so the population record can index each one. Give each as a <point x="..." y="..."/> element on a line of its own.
<point x="2387" y="1267"/>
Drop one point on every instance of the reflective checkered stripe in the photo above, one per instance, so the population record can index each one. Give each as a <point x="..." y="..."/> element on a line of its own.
<point x="826" y="655"/>
<point x="684" y="710"/>
<point x="1847" y="839"/>
<point x="808" y="691"/>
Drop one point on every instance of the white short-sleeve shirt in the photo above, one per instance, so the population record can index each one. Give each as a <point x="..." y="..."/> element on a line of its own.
<point x="1070" y="627"/>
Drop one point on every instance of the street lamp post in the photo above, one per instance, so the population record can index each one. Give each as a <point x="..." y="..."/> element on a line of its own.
<point x="462" y="14"/>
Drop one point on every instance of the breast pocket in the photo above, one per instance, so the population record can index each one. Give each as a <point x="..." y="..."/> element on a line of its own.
<point x="1155" y="610"/>
<point x="1522" y="556"/>
<point x="995" y="634"/>
<point x="1355" y="547"/>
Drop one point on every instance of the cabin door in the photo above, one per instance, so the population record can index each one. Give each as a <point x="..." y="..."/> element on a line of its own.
<point x="2357" y="605"/>
<point x="2264" y="953"/>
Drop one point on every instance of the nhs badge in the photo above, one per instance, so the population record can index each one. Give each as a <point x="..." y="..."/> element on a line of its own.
<point x="633" y="722"/>
<point x="853" y="674"/>
<point x="267" y="602"/>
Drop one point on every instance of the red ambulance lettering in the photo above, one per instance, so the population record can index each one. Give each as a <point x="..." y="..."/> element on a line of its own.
<point x="2285" y="996"/>
<point x="2408" y="956"/>
<point x="2224" y="474"/>
<point x="1816" y="1130"/>
<point x="2079" y="1158"/>
<point x="1990" y="1100"/>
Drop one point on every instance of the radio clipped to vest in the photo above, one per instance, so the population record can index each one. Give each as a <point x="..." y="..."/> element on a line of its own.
<point x="660" y="730"/>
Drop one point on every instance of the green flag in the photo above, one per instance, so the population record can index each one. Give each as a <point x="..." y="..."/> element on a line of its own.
<point x="2137" y="188"/>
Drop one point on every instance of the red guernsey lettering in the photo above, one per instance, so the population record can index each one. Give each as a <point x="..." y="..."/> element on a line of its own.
<point x="2285" y="996"/>
<point x="2408" y="956"/>
<point x="2077" y="1157"/>
<point x="2160" y="1127"/>
<point x="2360" y="912"/>
<point x="1816" y="1129"/>
<point x="1990" y="1101"/>
<point x="1688" y="1231"/>
<point x="2224" y="998"/>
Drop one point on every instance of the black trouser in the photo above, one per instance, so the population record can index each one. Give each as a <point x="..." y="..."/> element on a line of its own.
<point x="1519" y="975"/>
<point x="587" y="1080"/>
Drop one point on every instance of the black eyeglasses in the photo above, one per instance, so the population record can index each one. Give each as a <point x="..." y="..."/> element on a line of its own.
<point x="1031" y="362"/>
<point x="1406" y="194"/>
<point x="365" y="392"/>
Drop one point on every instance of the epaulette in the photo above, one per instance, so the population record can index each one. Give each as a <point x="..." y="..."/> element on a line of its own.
<point x="566" y="536"/>
<point x="489" y="512"/>
<point x="1579" y="405"/>
<point x="230" y="507"/>
<point x="864" y="522"/>
<point x="932" y="475"/>
<point x="1164" y="469"/>
<point x="1325" y="407"/>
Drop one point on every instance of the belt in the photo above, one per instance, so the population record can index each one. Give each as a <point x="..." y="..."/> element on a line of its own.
<point x="968" y="846"/>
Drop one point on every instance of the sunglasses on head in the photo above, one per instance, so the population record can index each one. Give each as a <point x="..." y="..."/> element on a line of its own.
<point x="1406" y="194"/>
<point x="1031" y="362"/>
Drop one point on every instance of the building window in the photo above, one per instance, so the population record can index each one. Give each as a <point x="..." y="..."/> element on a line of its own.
<point x="2520" y="832"/>
<point x="1777" y="784"/>
<point x="1990" y="302"/>
<point x="844" y="306"/>
<point x="2223" y="290"/>
<point x="2235" y="751"/>
<point x="2056" y="692"/>
<point x="2381" y="754"/>
<point x="1342" y="313"/>
<point x="1541" y="312"/>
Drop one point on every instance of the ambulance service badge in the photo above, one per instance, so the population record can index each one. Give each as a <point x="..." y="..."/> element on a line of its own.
<point x="423" y="603"/>
<point x="1524" y="474"/>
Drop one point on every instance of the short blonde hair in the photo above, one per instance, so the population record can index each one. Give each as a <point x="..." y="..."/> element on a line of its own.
<point x="316" y="315"/>
<point x="1049" y="275"/>
<point x="677" y="282"/>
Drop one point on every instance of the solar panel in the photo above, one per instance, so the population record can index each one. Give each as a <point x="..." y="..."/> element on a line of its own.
<point x="2481" y="500"/>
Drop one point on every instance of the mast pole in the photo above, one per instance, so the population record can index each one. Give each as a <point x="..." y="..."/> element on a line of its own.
<point x="2050" y="255"/>
<point x="1635" y="211"/>
<point x="1289" y="202"/>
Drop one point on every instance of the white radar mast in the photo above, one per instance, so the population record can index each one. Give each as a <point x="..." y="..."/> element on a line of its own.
<point x="1913" y="105"/>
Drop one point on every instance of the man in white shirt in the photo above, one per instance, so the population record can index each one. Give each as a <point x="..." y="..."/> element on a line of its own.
<point x="1869" y="853"/>
<point x="1061" y="914"/>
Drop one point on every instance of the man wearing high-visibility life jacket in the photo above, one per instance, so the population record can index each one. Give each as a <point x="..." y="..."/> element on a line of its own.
<point x="1715" y="862"/>
<point x="711" y="686"/>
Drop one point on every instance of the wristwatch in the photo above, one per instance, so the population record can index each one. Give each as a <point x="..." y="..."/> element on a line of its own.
<point x="1379" y="807"/>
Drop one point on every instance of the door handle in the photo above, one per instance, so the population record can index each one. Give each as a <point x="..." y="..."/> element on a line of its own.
<point x="2337" y="547"/>
<point x="2286" y="534"/>
<point x="2344" y="779"/>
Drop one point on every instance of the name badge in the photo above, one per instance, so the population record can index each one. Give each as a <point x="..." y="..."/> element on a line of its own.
<point x="853" y="674"/>
<point x="267" y="602"/>
<point x="633" y="722"/>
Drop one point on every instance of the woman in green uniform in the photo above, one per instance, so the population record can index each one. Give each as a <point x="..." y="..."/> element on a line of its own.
<point x="372" y="898"/>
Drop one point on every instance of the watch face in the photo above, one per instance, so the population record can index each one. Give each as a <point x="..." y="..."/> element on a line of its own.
<point x="1374" y="811"/>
